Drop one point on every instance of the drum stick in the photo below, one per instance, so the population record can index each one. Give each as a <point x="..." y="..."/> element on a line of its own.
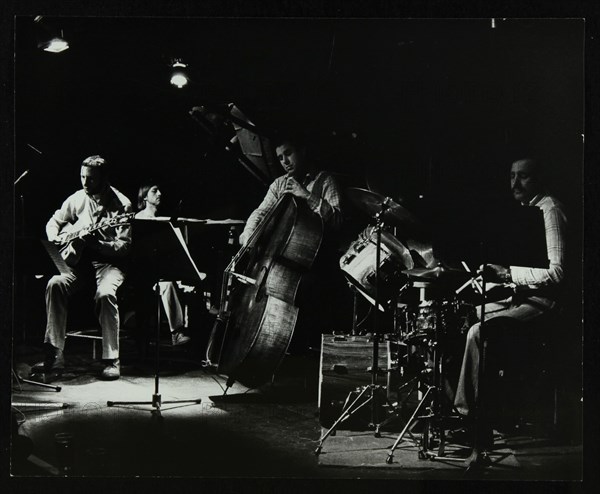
<point x="472" y="281"/>
<point x="465" y="285"/>
<point x="477" y="285"/>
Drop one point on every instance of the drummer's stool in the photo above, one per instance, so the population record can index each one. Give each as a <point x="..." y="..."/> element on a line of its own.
<point x="529" y="380"/>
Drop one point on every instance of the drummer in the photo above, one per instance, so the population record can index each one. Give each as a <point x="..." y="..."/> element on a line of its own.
<point x="536" y="290"/>
<point x="320" y="191"/>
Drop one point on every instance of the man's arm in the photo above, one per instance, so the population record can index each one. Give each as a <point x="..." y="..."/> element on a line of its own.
<point x="119" y="245"/>
<point x="328" y="207"/>
<point x="269" y="201"/>
<point x="555" y="224"/>
<point x="61" y="217"/>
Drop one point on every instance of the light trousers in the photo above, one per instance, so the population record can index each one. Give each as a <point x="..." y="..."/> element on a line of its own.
<point x="171" y="304"/>
<point x="60" y="288"/>
<point x="468" y="384"/>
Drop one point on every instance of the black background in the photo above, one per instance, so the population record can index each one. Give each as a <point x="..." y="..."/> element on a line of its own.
<point x="476" y="164"/>
<point x="432" y="108"/>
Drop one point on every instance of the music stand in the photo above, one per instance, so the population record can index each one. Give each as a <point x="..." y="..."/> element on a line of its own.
<point x="160" y="254"/>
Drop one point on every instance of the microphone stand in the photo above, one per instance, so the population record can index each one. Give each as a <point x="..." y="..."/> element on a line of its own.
<point x="23" y="288"/>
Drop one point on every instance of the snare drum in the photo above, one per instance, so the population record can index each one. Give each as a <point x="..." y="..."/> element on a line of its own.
<point x="360" y="261"/>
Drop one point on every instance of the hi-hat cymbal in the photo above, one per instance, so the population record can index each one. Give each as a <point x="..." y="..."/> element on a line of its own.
<point x="439" y="272"/>
<point x="373" y="203"/>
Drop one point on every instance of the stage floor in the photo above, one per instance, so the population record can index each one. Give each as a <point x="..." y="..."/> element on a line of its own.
<point x="271" y="432"/>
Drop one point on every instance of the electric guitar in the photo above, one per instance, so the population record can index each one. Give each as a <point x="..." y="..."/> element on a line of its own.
<point x="69" y="250"/>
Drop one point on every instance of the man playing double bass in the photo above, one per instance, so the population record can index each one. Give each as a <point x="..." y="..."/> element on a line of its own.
<point x="303" y="180"/>
<point x="319" y="190"/>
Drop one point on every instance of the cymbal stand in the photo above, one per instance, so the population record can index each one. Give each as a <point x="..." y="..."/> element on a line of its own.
<point x="373" y="390"/>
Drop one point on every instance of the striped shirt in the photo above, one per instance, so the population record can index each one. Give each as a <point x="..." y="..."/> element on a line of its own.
<point x="555" y="224"/>
<point x="327" y="205"/>
<point x="83" y="210"/>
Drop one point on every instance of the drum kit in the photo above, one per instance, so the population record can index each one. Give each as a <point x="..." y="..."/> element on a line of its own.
<point x="398" y="274"/>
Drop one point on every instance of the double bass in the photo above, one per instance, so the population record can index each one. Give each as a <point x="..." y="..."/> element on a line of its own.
<point x="260" y="313"/>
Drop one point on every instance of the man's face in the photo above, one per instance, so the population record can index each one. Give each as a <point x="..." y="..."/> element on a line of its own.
<point x="92" y="180"/>
<point x="523" y="182"/>
<point x="291" y="158"/>
<point x="153" y="196"/>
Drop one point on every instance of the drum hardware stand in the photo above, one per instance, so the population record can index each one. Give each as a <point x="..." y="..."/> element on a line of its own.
<point x="413" y="382"/>
<point x="354" y="331"/>
<point x="155" y="227"/>
<point x="374" y="388"/>
<point x="431" y="399"/>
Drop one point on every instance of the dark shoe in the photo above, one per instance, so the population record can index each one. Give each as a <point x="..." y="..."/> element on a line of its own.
<point x="54" y="361"/>
<point x="178" y="338"/>
<point x="112" y="370"/>
<point x="477" y="462"/>
<point x="462" y="437"/>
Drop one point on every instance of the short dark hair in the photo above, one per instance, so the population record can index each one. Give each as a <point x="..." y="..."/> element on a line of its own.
<point x="98" y="162"/>
<point x="297" y="138"/>
<point x="537" y="169"/>
<point x="143" y="192"/>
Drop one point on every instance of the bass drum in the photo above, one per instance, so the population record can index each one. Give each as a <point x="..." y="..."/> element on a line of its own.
<point x="360" y="261"/>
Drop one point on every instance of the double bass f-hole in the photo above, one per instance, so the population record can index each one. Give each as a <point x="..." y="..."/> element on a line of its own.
<point x="260" y="281"/>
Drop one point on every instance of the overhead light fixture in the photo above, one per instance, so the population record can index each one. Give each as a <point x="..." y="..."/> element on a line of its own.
<point x="55" y="44"/>
<point x="179" y="76"/>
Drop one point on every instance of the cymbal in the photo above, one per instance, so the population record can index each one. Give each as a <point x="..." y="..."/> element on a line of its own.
<point x="371" y="203"/>
<point x="439" y="272"/>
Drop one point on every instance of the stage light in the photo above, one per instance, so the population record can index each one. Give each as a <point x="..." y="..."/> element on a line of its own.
<point x="55" y="45"/>
<point x="179" y="76"/>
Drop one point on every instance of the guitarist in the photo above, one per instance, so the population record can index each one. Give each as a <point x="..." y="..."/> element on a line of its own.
<point x="100" y="258"/>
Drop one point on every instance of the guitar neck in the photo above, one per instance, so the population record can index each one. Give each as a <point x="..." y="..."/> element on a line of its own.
<point x="105" y="223"/>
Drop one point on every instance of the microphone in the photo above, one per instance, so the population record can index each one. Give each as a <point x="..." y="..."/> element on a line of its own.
<point x="34" y="148"/>
<point x="23" y="175"/>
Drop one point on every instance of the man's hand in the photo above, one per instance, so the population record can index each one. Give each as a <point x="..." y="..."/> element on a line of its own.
<point x="295" y="188"/>
<point x="495" y="273"/>
<point x="84" y="238"/>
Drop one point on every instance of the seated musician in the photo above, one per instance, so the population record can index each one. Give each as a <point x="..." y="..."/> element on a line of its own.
<point x="149" y="198"/>
<point x="536" y="290"/>
<point x="322" y="193"/>
<point x="101" y="261"/>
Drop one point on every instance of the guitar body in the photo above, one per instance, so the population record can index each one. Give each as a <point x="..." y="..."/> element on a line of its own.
<point x="263" y="315"/>
<point x="71" y="250"/>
